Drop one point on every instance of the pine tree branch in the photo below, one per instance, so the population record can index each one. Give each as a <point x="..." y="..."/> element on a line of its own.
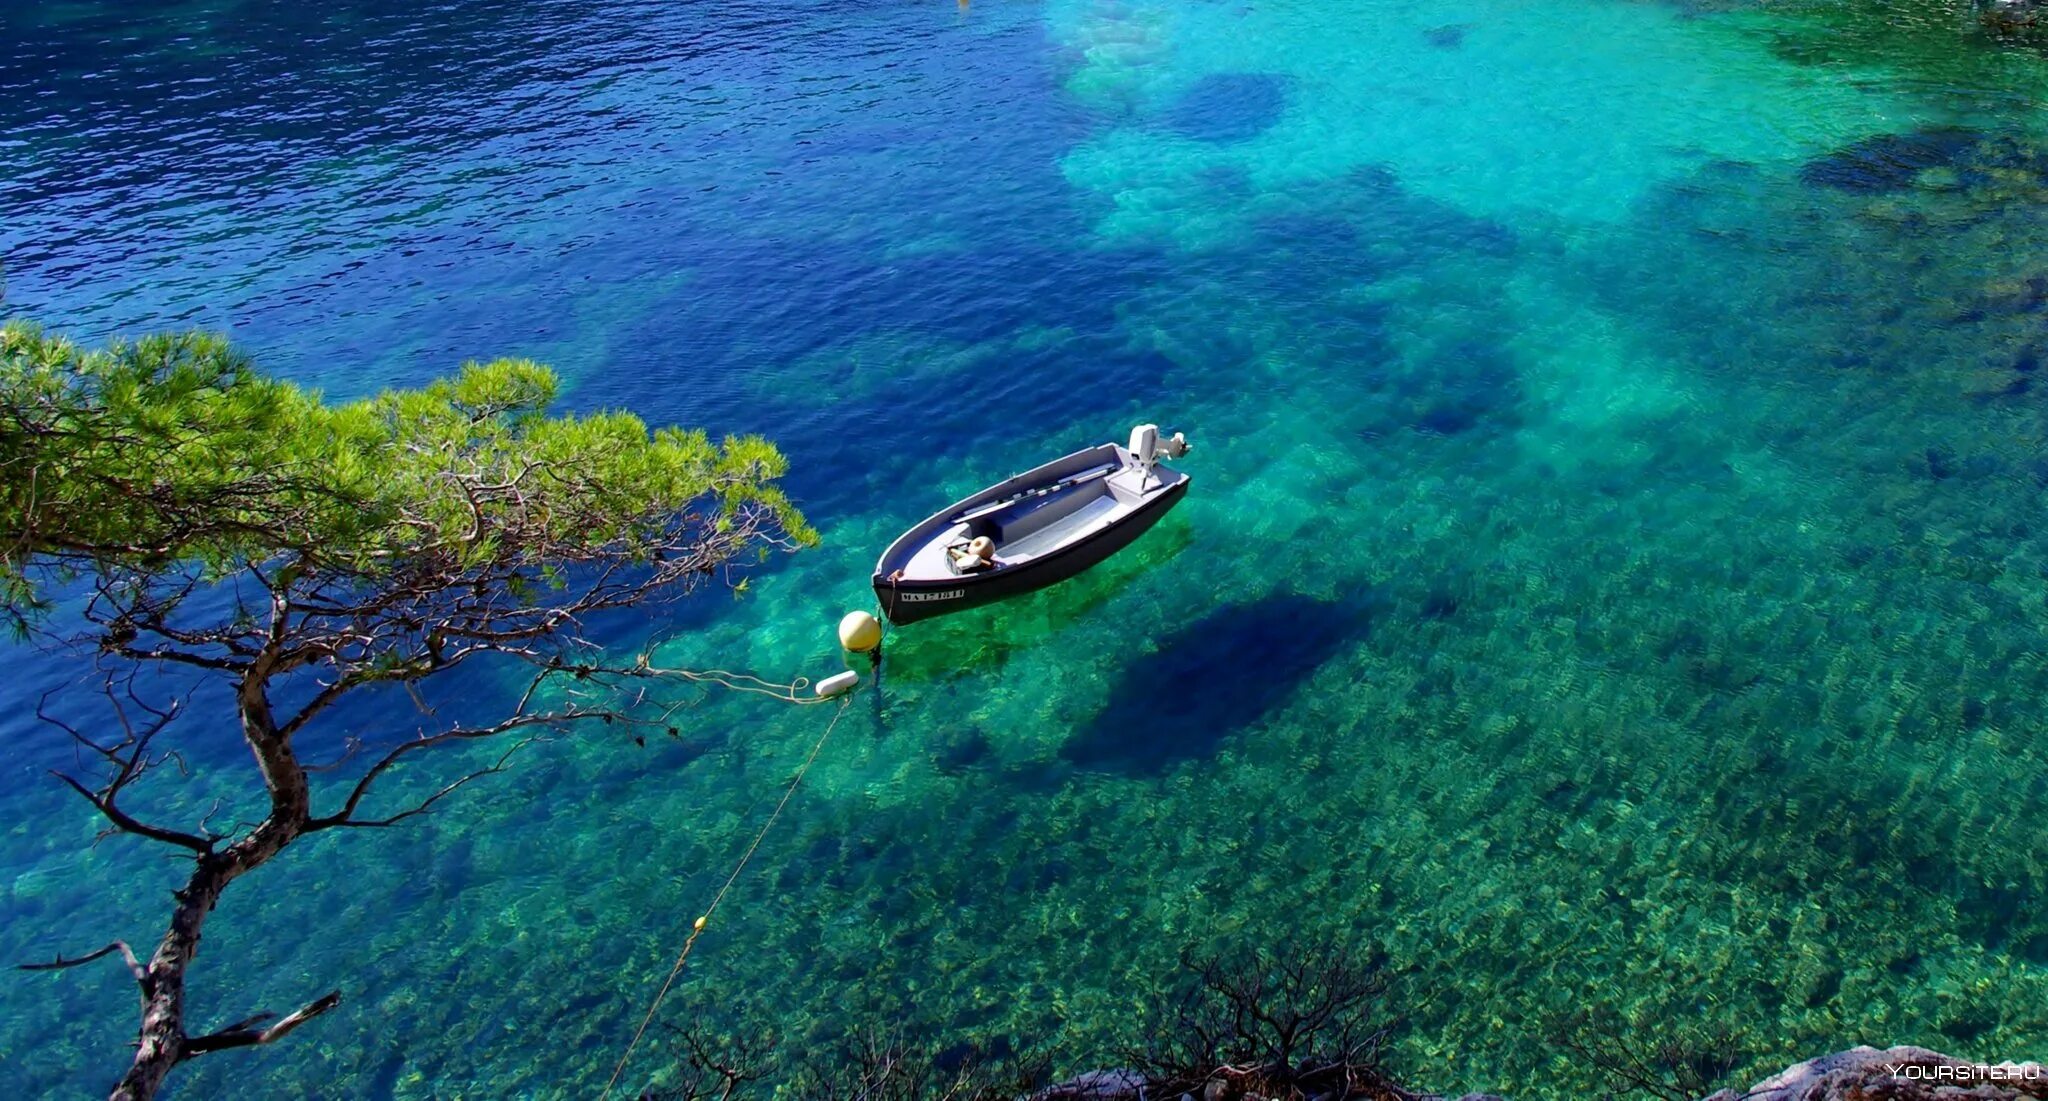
<point x="245" y="1034"/>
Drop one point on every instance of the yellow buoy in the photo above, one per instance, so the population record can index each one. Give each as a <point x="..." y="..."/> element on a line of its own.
<point x="860" y="632"/>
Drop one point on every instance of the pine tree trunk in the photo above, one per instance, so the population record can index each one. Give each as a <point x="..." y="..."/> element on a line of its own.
<point x="162" y="1042"/>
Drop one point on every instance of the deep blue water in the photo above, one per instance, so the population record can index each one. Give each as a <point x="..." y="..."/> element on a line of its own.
<point x="1612" y="579"/>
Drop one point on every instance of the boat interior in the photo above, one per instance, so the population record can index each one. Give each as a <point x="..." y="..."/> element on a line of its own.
<point x="1037" y="523"/>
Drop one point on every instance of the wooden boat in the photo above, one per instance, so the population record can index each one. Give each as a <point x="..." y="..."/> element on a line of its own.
<point x="1036" y="529"/>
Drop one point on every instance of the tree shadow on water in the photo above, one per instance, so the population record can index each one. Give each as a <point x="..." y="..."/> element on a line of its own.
<point x="1212" y="678"/>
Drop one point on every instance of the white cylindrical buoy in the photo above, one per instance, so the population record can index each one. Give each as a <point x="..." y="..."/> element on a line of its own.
<point x="838" y="684"/>
<point x="860" y="632"/>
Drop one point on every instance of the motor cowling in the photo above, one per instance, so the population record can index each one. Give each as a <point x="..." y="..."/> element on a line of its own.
<point x="1147" y="448"/>
<point x="1145" y="444"/>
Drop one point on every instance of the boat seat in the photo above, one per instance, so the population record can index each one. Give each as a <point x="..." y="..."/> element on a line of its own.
<point x="1034" y="515"/>
<point x="1097" y="510"/>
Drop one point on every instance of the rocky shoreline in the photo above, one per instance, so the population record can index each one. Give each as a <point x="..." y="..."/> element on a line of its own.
<point x="1901" y="1073"/>
<point x="1897" y="1074"/>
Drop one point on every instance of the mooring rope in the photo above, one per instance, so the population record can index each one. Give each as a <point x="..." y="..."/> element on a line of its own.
<point x="745" y="682"/>
<point x="697" y="927"/>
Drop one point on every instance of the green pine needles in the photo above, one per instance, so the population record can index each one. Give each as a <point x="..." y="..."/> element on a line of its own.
<point x="174" y="449"/>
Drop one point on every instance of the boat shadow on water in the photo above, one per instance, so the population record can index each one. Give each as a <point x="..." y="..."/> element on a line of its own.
<point x="1213" y="678"/>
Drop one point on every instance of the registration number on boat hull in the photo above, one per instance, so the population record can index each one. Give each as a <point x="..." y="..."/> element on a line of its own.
<point x="919" y="598"/>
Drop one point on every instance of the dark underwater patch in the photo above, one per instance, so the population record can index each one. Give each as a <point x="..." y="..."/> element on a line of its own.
<point x="1447" y="37"/>
<point x="1211" y="679"/>
<point x="1299" y="231"/>
<point x="963" y="753"/>
<point x="1229" y="107"/>
<point x="1888" y="162"/>
<point x="1940" y="463"/>
<point x="1473" y="384"/>
<point x="1230" y="183"/>
<point x="1361" y="226"/>
<point x="1449" y="418"/>
<point x="1443" y="598"/>
<point x="1968" y="1023"/>
<point x="384" y="1081"/>
<point x="1420" y="225"/>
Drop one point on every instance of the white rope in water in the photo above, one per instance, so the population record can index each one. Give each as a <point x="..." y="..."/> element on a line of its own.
<point x="743" y="682"/>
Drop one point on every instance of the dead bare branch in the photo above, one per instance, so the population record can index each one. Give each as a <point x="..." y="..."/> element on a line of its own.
<point x="126" y="823"/>
<point x="62" y="962"/>
<point x="125" y="759"/>
<point x="1679" y="1059"/>
<point x="1303" y="1021"/>
<point x="245" y="1034"/>
<point x="424" y="805"/>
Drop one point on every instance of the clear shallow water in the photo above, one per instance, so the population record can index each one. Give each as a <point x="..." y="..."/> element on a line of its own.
<point x="1613" y="577"/>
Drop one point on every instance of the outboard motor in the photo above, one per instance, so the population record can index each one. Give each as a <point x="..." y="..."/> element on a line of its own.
<point x="1146" y="447"/>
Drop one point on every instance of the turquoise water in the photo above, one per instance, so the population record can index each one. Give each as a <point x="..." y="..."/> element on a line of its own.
<point x="1613" y="575"/>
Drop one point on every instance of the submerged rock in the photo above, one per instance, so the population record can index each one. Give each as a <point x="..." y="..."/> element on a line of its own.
<point x="2008" y="16"/>
<point x="1096" y="1085"/>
